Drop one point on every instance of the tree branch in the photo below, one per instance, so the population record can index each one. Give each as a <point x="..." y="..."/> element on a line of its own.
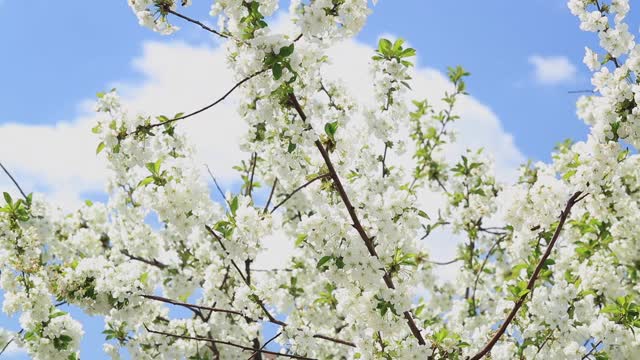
<point x="254" y="160"/>
<point x="14" y="181"/>
<point x="298" y="189"/>
<point x="265" y="345"/>
<point x="193" y="307"/>
<point x="152" y="262"/>
<point x="354" y="217"/>
<point x="222" y="342"/>
<point x="238" y="84"/>
<point x="575" y="198"/>
<point x="273" y="190"/>
<point x="196" y="22"/>
<point x="593" y="348"/>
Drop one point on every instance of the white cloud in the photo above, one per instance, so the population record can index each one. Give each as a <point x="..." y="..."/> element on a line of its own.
<point x="60" y="158"/>
<point x="551" y="70"/>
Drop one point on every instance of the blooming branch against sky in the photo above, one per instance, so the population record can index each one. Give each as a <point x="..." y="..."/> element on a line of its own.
<point x="396" y="179"/>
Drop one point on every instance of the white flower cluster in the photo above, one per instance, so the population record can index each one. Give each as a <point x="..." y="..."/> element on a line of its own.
<point x="359" y="284"/>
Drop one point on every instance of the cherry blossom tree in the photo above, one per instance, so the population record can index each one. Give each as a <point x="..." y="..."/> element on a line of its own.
<point x="548" y="269"/>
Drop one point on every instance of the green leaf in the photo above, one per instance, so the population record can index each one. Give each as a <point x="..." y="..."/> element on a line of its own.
<point x="100" y="148"/>
<point x="7" y="198"/>
<point x="277" y="71"/>
<point x="330" y="129"/>
<point x="291" y="147"/>
<point x="408" y="52"/>
<point x="57" y="314"/>
<point x="286" y="51"/>
<point x="234" y="205"/>
<point x="323" y="260"/>
<point x="384" y="46"/>
<point x="143" y="277"/>
<point x="146" y="181"/>
<point x="96" y="129"/>
<point x="301" y="238"/>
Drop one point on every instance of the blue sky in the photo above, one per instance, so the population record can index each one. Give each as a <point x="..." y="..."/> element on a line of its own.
<point x="57" y="54"/>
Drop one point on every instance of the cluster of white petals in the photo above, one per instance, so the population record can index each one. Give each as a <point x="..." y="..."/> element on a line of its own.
<point x="548" y="268"/>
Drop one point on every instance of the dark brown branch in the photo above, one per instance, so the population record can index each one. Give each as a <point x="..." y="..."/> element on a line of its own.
<point x="298" y="189"/>
<point x="196" y="22"/>
<point x="234" y="312"/>
<point x="245" y="279"/>
<point x="254" y="160"/>
<point x="238" y="84"/>
<point x="354" y="217"/>
<point x="593" y="348"/>
<point x="14" y="181"/>
<point x="444" y="262"/>
<point x="264" y="346"/>
<point x="152" y="262"/>
<point x="273" y="190"/>
<point x="384" y="159"/>
<point x="484" y="263"/>
<point x="194" y="306"/>
<point x="347" y="343"/>
<point x="217" y="237"/>
<point x="215" y="182"/>
<point x="228" y="343"/>
<point x="575" y="198"/>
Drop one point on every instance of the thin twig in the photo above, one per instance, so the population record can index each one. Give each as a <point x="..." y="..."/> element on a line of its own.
<point x="152" y="262"/>
<point x="217" y="185"/>
<point x="238" y="84"/>
<point x="354" y="217"/>
<point x="323" y="337"/>
<point x="194" y="306"/>
<point x="575" y="198"/>
<point x="593" y="348"/>
<point x="219" y="239"/>
<point x="222" y="342"/>
<point x="254" y="160"/>
<point x="265" y="345"/>
<point x="197" y="23"/>
<point x="298" y="189"/>
<point x="484" y="263"/>
<point x="273" y="190"/>
<point x="444" y="262"/>
<point x="14" y="181"/>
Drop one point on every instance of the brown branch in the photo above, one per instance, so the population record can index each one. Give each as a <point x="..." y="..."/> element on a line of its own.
<point x="298" y="189"/>
<point x="194" y="306"/>
<point x="354" y="217"/>
<point x="254" y="160"/>
<point x="228" y="343"/>
<point x="575" y="198"/>
<point x="234" y="312"/>
<point x="245" y="279"/>
<point x="593" y="348"/>
<point x="273" y="190"/>
<point x="338" y="341"/>
<point x="217" y="237"/>
<point x="196" y="22"/>
<point x="14" y="181"/>
<point x="152" y="262"/>
<point x="264" y="346"/>
<point x="215" y="182"/>
<point x="238" y="84"/>
<point x="444" y="262"/>
<point x="484" y="263"/>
